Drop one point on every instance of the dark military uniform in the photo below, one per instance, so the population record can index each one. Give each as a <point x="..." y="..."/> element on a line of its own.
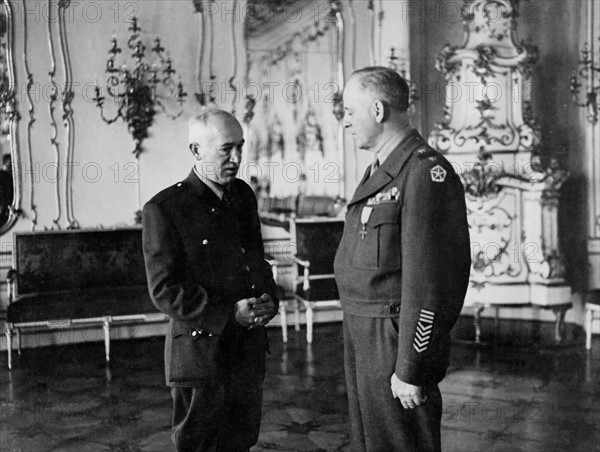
<point x="203" y="255"/>
<point x="402" y="270"/>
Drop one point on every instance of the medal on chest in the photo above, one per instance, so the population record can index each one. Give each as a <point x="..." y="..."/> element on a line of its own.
<point x="364" y="219"/>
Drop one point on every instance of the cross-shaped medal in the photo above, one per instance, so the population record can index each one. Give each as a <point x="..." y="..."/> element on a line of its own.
<point x="364" y="219"/>
<point x="363" y="233"/>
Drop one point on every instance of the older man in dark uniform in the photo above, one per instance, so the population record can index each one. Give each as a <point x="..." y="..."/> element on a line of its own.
<point x="206" y="270"/>
<point x="402" y="270"/>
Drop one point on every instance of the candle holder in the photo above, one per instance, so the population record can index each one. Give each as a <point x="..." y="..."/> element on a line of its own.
<point x="142" y="91"/>
<point x="587" y="71"/>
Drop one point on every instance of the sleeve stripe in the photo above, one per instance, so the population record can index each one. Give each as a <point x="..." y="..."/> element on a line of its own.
<point x="424" y="330"/>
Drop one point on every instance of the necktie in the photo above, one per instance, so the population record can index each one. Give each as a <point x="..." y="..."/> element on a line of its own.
<point x="374" y="165"/>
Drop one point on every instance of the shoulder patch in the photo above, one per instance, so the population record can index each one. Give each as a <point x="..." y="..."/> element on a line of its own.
<point x="438" y="174"/>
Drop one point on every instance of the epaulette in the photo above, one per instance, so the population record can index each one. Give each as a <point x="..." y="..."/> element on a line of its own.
<point x="426" y="152"/>
<point x="169" y="192"/>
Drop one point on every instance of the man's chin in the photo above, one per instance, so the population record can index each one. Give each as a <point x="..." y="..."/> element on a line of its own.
<point x="229" y="176"/>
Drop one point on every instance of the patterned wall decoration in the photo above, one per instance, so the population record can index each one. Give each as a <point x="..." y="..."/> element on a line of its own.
<point x="493" y="141"/>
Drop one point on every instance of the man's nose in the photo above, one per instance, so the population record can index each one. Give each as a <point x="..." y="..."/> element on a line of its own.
<point x="235" y="157"/>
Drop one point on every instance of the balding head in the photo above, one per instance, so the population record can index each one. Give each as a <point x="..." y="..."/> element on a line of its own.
<point x="204" y="124"/>
<point x="216" y="139"/>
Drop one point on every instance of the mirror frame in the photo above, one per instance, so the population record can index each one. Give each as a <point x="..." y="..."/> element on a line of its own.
<point x="10" y="108"/>
<point x="335" y="11"/>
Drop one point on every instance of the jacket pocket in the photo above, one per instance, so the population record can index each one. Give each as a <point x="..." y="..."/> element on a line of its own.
<point x="194" y="355"/>
<point x="379" y="245"/>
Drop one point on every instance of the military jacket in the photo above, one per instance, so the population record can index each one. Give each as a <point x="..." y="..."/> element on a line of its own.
<point x="203" y="255"/>
<point x="405" y="255"/>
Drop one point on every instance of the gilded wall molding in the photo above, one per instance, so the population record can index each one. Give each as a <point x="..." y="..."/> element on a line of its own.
<point x="53" y="124"/>
<point x="67" y="109"/>
<point x="30" y="119"/>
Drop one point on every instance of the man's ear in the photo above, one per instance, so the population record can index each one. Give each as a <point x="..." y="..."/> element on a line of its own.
<point x="194" y="149"/>
<point x="379" y="111"/>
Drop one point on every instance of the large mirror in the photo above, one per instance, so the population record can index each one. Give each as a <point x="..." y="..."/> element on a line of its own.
<point x="294" y="75"/>
<point x="9" y="182"/>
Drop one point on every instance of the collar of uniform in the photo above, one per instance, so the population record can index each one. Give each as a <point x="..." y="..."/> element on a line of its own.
<point x="199" y="187"/>
<point x="389" y="146"/>
<point x="401" y="152"/>
<point x="217" y="189"/>
<point x="391" y="167"/>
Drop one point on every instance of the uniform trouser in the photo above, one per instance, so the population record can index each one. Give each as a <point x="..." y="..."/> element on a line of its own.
<point x="222" y="415"/>
<point x="378" y="421"/>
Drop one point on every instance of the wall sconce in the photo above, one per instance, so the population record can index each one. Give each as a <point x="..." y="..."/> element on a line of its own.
<point x="136" y="90"/>
<point x="587" y="71"/>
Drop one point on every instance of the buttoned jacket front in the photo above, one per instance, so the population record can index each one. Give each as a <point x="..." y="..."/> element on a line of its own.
<point x="203" y="255"/>
<point x="405" y="255"/>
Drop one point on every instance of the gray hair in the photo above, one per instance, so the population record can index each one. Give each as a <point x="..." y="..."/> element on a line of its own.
<point x="385" y="84"/>
<point x="205" y="116"/>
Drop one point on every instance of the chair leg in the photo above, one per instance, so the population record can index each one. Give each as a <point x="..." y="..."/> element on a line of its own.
<point x="19" y="341"/>
<point x="106" y="328"/>
<point x="309" y="323"/>
<point x="283" y="319"/>
<point x="589" y="322"/>
<point x="559" y="324"/>
<point x="477" y="323"/>
<point x="296" y="316"/>
<point x="9" y="346"/>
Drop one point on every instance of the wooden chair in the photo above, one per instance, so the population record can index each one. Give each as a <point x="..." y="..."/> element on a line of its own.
<point x="283" y="301"/>
<point x="314" y="285"/>
<point x="592" y="311"/>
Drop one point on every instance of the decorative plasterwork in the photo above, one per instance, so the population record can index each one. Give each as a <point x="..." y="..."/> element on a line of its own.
<point x="265" y="15"/>
<point x="513" y="222"/>
<point x="487" y="88"/>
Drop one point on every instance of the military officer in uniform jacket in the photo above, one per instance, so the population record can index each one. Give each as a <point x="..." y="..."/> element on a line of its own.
<point x="206" y="270"/>
<point x="402" y="270"/>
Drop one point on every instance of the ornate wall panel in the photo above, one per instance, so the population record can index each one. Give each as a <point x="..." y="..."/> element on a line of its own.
<point x="490" y="136"/>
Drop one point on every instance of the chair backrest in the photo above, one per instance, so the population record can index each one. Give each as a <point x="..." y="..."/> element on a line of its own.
<point x="315" y="206"/>
<point x="57" y="261"/>
<point x="317" y="240"/>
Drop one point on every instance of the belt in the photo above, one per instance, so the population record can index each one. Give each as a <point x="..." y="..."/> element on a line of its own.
<point x="371" y="308"/>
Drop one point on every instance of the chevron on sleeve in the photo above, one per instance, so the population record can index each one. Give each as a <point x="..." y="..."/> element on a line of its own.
<point x="424" y="330"/>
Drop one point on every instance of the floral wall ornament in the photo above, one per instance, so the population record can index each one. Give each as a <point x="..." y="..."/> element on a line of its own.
<point x="482" y="65"/>
<point x="140" y="91"/>
<point x="488" y="79"/>
<point x="446" y="63"/>
<point x="310" y="138"/>
<point x="275" y="140"/>
<point x="338" y="105"/>
<point x="249" y="109"/>
<point x="480" y="180"/>
<point x="589" y="71"/>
